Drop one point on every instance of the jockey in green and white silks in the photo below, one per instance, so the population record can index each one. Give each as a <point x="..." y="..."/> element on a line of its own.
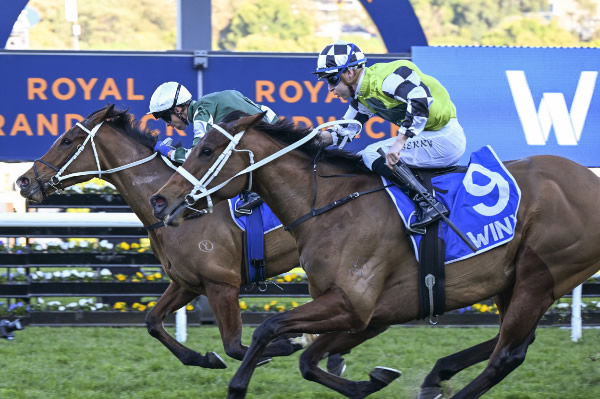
<point x="429" y="134"/>
<point x="173" y="103"/>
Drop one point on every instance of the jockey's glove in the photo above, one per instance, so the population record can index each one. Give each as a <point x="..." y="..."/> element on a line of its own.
<point x="341" y="135"/>
<point x="163" y="146"/>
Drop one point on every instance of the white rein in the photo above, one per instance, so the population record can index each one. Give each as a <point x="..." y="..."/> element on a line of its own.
<point x="201" y="190"/>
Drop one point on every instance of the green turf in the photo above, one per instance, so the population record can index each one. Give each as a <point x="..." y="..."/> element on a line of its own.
<point x="106" y="363"/>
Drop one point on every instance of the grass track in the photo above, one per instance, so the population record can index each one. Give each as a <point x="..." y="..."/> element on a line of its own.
<point x="106" y="363"/>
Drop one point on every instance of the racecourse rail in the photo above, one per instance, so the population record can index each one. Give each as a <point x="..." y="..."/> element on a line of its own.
<point x="119" y="222"/>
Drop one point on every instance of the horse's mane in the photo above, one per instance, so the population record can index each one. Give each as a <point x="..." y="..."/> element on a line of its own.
<point x="124" y="122"/>
<point x="287" y="133"/>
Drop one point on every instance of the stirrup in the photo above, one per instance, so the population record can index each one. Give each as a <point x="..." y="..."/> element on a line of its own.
<point x="414" y="230"/>
<point x="247" y="203"/>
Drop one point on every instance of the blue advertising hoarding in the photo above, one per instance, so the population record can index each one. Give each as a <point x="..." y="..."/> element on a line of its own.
<point x="45" y="93"/>
<point x="523" y="101"/>
<point x="286" y="84"/>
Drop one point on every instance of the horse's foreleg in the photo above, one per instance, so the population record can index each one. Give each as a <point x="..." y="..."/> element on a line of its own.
<point x="172" y="299"/>
<point x="338" y="342"/>
<point x="329" y="312"/>
<point x="531" y="298"/>
<point x="224" y="302"/>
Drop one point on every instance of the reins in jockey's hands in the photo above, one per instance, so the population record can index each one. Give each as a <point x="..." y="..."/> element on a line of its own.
<point x="338" y="135"/>
<point x="163" y="147"/>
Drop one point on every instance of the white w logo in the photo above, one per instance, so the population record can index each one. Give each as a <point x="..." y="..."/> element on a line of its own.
<point x="552" y="109"/>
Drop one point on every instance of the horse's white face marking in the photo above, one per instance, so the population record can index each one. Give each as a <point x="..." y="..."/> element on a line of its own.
<point x="143" y="180"/>
<point x="206" y="246"/>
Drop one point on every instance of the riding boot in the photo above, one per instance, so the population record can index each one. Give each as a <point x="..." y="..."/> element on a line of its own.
<point x="248" y="201"/>
<point x="429" y="211"/>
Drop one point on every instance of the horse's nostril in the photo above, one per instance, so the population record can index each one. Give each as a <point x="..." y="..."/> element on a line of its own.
<point x="158" y="201"/>
<point x="23" y="182"/>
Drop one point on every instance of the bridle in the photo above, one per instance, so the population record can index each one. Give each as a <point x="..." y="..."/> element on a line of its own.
<point x="55" y="181"/>
<point x="201" y="190"/>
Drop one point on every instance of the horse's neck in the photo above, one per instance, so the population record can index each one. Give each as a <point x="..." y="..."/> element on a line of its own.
<point x="287" y="185"/>
<point x="137" y="184"/>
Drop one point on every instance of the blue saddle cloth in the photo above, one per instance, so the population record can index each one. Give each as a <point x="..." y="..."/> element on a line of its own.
<point x="483" y="204"/>
<point x="270" y="221"/>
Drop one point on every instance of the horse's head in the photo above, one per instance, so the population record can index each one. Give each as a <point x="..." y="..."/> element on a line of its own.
<point x="77" y="155"/>
<point x="206" y="175"/>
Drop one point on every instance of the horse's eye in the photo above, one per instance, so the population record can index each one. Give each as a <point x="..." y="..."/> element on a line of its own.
<point x="66" y="141"/>
<point x="205" y="151"/>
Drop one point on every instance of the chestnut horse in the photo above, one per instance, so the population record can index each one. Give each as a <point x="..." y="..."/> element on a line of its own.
<point x="213" y="270"/>
<point x="363" y="272"/>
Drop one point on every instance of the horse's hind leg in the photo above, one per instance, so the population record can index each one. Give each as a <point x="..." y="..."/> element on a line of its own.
<point x="172" y="299"/>
<point x="341" y="342"/>
<point x="532" y="296"/>
<point x="447" y="367"/>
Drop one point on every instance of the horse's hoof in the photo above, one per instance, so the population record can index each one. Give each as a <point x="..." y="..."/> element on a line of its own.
<point x="430" y="393"/>
<point x="215" y="361"/>
<point x="263" y="361"/>
<point x="337" y="368"/>
<point x="235" y="393"/>
<point x="384" y="375"/>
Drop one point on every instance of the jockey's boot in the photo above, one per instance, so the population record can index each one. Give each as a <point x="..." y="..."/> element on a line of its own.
<point x="248" y="201"/>
<point x="430" y="209"/>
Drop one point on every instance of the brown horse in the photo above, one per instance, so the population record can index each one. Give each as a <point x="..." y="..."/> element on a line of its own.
<point x="363" y="273"/>
<point x="213" y="270"/>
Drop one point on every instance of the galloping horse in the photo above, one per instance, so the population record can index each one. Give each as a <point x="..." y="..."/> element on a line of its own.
<point x="363" y="272"/>
<point x="213" y="270"/>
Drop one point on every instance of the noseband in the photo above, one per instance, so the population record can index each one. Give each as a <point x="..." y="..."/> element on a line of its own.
<point x="56" y="180"/>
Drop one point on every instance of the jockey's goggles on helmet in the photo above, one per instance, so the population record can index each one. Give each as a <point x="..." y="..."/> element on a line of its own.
<point x="333" y="79"/>
<point x="164" y="115"/>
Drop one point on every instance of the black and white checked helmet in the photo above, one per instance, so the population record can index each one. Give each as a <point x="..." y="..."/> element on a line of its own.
<point x="337" y="57"/>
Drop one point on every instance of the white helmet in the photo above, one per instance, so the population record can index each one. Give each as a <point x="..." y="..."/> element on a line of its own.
<point x="167" y="96"/>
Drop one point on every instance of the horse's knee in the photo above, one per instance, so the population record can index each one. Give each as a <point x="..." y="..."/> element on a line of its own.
<point x="152" y="325"/>
<point x="267" y="330"/>
<point x="235" y="350"/>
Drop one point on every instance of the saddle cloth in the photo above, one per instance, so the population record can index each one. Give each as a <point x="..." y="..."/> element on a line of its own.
<point x="270" y="221"/>
<point x="483" y="204"/>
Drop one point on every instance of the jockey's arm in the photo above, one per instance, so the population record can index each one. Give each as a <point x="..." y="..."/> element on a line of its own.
<point x="334" y="135"/>
<point x="415" y="94"/>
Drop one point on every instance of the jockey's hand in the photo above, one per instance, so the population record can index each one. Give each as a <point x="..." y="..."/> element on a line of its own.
<point x="393" y="155"/>
<point x="162" y="148"/>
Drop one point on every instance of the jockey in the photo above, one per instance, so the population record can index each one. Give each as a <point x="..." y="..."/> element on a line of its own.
<point x="172" y="102"/>
<point x="429" y="135"/>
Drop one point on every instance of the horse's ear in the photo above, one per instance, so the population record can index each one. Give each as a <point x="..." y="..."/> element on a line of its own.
<point x="247" y="122"/>
<point x="108" y="112"/>
<point x="102" y="115"/>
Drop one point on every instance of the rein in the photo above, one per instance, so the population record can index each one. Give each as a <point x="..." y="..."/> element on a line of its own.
<point x="316" y="212"/>
<point x="200" y="189"/>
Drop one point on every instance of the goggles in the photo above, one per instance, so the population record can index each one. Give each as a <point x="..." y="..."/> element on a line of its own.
<point x="333" y="79"/>
<point x="164" y="115"/>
